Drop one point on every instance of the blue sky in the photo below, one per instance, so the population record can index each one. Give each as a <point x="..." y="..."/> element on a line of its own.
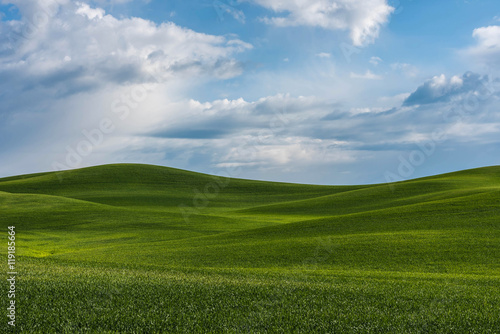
<point x="319" y="91"/>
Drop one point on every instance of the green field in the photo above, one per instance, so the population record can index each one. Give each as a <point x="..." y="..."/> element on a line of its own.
<point x="148" y="249"/>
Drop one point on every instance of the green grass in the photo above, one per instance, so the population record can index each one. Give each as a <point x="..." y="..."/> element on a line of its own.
<point x="136" y="249"/>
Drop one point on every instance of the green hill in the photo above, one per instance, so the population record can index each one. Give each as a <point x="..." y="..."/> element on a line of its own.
<point x="139" y="248"/>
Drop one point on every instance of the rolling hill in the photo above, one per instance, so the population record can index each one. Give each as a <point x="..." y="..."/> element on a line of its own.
<point x="146" y="249"/>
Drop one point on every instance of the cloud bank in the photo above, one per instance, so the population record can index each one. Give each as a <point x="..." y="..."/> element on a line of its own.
<point x="71" y="47"/>
<point x="441" y="89"/>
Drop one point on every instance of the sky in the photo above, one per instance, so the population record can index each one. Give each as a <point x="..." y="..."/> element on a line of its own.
<point x="316" y="91"/>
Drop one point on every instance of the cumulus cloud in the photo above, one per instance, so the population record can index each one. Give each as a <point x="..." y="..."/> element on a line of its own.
<point x="193" y="119"/>
<point x="487" y="48"/>
<point x="488" y="37"/>
<point x="362" y="18"/>
<point x="73" y="47"/>
<point x="441" y="89"/>
<point x="270" y="133"/>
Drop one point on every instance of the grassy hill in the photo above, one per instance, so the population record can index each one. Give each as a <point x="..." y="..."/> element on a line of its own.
<point x="145" y="249"/>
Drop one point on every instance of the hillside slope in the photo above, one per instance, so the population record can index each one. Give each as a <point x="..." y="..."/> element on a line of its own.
<point x="147" y="249"/>
<point x="110" y="212"/>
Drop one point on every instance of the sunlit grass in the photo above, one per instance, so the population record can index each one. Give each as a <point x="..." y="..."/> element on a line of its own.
<point x="108" y="250"/>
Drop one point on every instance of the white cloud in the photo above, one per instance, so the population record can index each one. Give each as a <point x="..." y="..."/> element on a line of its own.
<point x="368" y="75"/>
<point x="362" y="18"/>
<point x="81" y="47"/>
<point x="375" y="61"/>
<point x="290" y="150"/>
<point x="487" y="48"/>
<point x="487" y="37"/>
<point x="456" y="81"/>
<point x="323" y="55"/>
<point x="465" y="131"/>
<point x="440" y="89"/>
<point x="90" y="13"/>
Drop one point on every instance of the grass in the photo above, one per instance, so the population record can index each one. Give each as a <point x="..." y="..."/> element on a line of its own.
<point x="148" y="249"/>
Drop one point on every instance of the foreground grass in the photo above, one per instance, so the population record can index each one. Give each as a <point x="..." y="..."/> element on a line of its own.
<point x="108" y="250"/>
<point x="73" y="298"/>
